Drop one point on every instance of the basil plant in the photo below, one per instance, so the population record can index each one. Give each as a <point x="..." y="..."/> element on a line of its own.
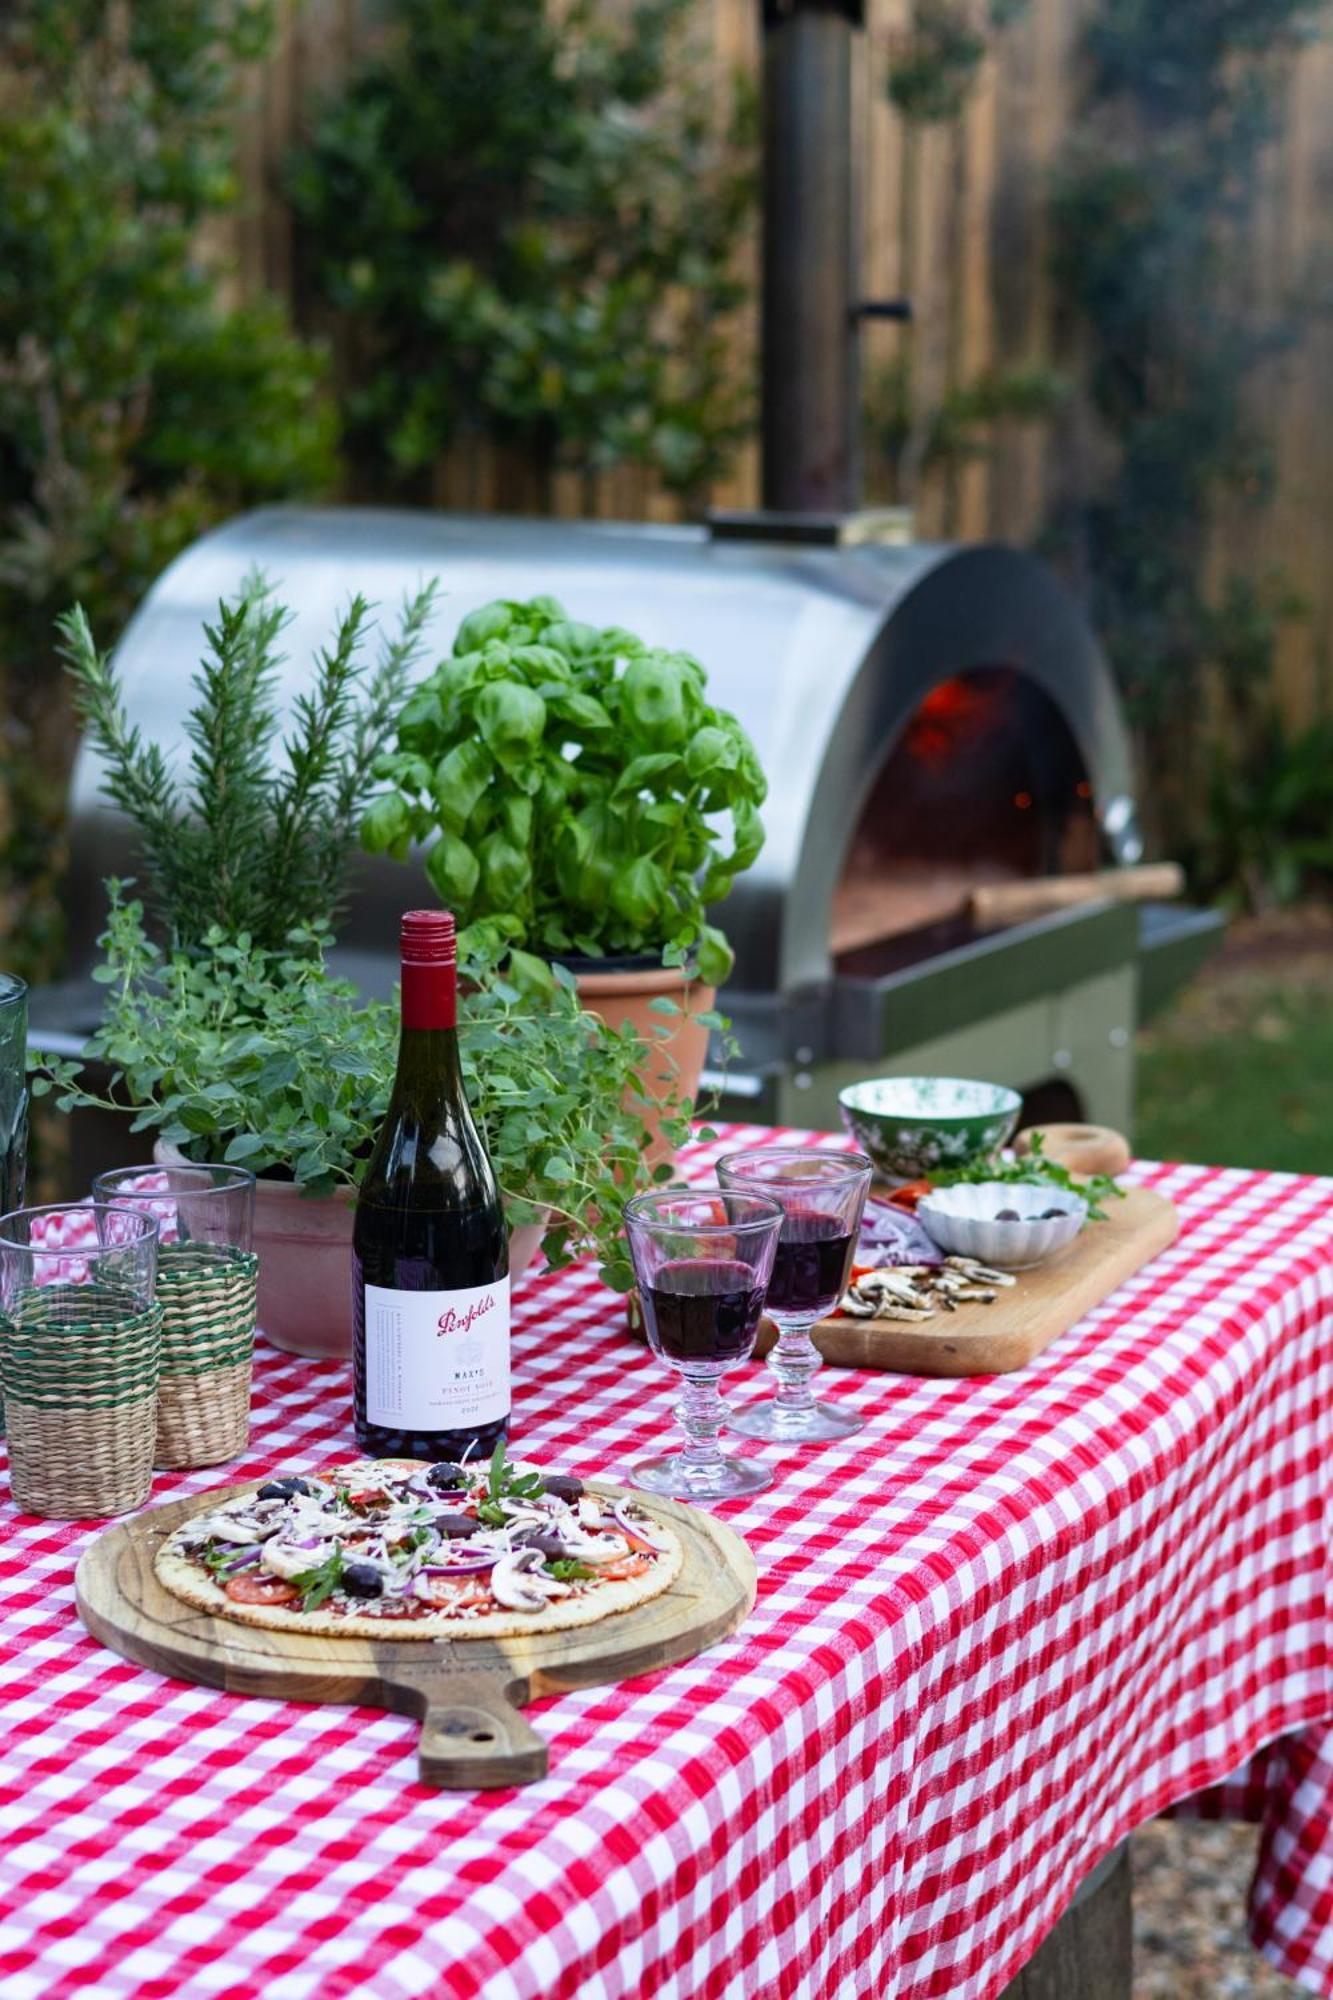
<point x="580" y="794"/>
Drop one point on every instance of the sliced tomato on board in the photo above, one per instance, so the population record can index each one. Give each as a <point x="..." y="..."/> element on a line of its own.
<point x="909" y="1195"/>
<point x="262" y="1590"/>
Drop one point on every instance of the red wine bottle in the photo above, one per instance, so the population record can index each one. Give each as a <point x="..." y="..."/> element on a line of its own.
<point x="430" y="1252"/>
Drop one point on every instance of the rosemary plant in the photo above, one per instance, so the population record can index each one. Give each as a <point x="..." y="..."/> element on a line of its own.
<point x="239" y="840"/>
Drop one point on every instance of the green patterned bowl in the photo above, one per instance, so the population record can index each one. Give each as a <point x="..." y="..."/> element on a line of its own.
<point x="912" y="1126"/>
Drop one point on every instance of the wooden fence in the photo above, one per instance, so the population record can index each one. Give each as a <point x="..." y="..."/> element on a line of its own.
<point x="954" y="216"/>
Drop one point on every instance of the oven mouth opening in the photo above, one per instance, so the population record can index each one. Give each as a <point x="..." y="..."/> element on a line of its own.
<point x="985" y="784"/>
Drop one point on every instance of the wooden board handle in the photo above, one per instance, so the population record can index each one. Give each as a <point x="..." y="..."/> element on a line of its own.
<point x="995" y="904"/>
<point x="1084" y="1149"/>
<point x="472" y="1736"/>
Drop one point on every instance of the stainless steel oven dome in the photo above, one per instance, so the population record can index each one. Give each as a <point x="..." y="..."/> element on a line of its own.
<point x="825" y="654"/>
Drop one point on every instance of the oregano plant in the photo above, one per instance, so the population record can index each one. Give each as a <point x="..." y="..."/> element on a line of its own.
<point x="258" y="1054"/>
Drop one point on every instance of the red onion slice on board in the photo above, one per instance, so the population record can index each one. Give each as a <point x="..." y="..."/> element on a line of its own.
<point x="890" y="1236"/>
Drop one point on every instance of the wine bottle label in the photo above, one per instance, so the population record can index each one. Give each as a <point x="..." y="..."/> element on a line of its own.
<point x="437" y="1361"/>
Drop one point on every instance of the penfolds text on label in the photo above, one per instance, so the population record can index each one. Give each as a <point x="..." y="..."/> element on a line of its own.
<point x="451" y="1321"/>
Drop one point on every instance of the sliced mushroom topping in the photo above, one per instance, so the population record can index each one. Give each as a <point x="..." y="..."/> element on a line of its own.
<point x="285" y="1559"/>
<point x="519" y="1582"/>
<point x="242" y="1528"/>
<point x="601" y="1548"/>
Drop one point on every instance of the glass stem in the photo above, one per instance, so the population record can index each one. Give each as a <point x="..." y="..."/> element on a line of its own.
<point x="700" y="1413"/>
<point x="795" y="1361"/>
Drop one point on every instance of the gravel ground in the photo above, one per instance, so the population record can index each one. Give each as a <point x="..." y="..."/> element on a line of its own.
<point x="1190" y="1943"/>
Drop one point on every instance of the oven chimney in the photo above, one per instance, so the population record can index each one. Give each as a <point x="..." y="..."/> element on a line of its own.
<point x="811" y="390"/>
<point x="811" y="304"/>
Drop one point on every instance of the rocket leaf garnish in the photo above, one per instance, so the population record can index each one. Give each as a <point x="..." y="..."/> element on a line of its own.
<point x="318" y="1584"/>
<point x="1036" y="1169"/>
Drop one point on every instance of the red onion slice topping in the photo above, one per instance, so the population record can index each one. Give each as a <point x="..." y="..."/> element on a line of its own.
<point x="642" y="1531"/>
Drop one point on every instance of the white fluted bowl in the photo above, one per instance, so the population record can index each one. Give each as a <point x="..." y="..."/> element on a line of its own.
<point x="962" y="1220"/>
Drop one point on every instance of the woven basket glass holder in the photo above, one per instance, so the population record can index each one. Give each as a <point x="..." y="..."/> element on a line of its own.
<point x="208" y="1337"/>
<point x="80" y="1357"/>
<point x="206" y="1285"/>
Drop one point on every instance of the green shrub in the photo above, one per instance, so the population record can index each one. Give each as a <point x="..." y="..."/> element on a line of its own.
<point x="527" y="227"/>
<point x="1154" y="190"/>
<point x="135" y="409"/>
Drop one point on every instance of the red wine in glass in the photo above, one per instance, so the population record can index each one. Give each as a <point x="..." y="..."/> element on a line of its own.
<point x="822" y="1195"/>
<point x="702" y="1311"/>
<point x="810" y="1269"/>
<point x="702" y="1260"/>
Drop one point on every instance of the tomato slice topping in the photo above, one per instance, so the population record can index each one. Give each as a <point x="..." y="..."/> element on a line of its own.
<point x="638" y="1544"/>
<point x="628" y="1566"/>
<point x="262" y="1590"/>
<point x="446" y="1595"/>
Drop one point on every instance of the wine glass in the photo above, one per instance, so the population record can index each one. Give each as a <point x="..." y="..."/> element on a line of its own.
<point x="703" y="1262"/>
<point x="822" y="1197"/>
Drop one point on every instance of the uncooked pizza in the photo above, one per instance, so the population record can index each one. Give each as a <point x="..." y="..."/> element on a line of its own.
<point x="399" y="1549"/>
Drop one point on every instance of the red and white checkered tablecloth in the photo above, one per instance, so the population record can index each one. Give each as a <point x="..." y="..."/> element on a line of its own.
<point x="996" y="1630"/>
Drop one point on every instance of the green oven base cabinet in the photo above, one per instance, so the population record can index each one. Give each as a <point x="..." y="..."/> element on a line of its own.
<point x="1082" y="1038"/>
<point x="1049" y="1008"/>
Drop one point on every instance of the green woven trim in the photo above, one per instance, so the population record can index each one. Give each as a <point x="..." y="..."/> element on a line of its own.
<point x="185" y="1371"/>
<point x="195" y="1263"/>
<point x="76" y="1312"/>
<point x="208" y="1305"/>
<point x="76" y="1343"/>
<point x="84" y="1399"/>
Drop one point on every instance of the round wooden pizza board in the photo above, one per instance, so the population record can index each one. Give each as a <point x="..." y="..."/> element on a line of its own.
<point x="467" y="1693"/>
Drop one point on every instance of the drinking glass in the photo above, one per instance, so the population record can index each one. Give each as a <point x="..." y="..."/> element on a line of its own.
<point x="702" y="1260"/>
<point x="13" y="1090"/>
<point x="822" y="1196"/>
<point x="80" y="1355"/>
<point x="198" y="1207"/>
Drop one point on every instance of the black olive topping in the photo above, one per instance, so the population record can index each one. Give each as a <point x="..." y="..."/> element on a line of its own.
<point x="562" y="1485"/>
<point x="546" y="1544"/>
<point x="283" y="1489"/>
<point x="446" y="1477"/>
<point x="1007" y="1215"/>
<point x="362" y="1580"/>
<point x="455" y="1526"/>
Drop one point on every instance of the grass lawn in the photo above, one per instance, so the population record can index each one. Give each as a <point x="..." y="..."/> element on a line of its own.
<point x="1240" y="1071"/>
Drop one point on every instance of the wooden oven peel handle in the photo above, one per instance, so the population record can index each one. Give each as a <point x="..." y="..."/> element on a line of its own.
<point x="994" y="904"/>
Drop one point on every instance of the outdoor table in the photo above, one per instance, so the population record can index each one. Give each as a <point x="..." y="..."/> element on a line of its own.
<point x="999" y="1628"/>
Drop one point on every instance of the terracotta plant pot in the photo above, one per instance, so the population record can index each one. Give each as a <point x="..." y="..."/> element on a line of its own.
<point x="305" y="1262"/>
<point x="679" y="1043"/>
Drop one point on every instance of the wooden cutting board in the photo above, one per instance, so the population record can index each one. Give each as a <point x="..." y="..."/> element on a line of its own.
<point x="1024" y="1319"/>
<point x="467" y="1693"/>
